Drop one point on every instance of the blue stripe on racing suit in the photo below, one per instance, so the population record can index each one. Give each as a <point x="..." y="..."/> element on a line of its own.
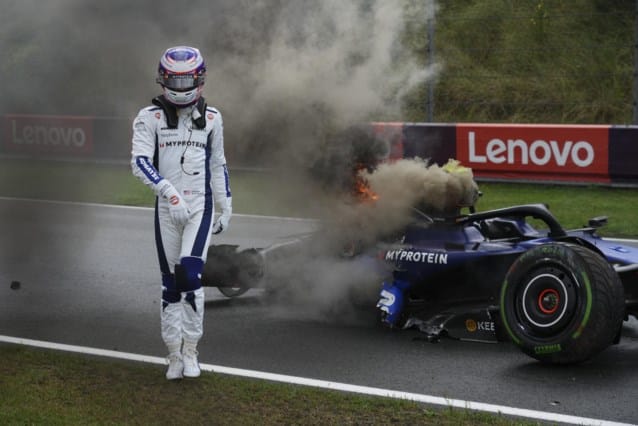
<point x="227" y="180"/>
<point x="148" y="169"/>
<point x="207" y="217"/>
<point x="161" y="255"/>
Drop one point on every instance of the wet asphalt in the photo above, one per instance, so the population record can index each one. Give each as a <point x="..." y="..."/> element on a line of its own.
<point x="87" y="275"/>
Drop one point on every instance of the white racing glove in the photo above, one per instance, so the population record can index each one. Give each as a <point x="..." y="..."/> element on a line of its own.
<point x="177" y="207"/>
<point x="221" y="224"/>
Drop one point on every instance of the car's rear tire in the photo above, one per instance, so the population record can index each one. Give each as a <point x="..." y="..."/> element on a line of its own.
<point x="562" y="303"/>
<point x="232" y="291"/>
<point x="232" y="272"/>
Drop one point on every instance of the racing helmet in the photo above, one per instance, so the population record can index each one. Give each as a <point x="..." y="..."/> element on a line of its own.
<point x="181" y="73"/>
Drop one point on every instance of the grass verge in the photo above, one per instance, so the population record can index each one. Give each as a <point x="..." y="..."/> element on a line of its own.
<point x="45" y="387"/>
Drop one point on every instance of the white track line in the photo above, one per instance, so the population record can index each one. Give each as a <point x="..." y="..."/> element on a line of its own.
<point x="365" y="390"/>
<point x="119" y="206"/>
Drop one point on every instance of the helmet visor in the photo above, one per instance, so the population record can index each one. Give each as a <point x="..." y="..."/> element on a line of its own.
<point x="180" y="82"/>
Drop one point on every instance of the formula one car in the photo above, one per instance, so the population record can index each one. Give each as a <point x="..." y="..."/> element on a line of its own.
<point x="511" y="274"/>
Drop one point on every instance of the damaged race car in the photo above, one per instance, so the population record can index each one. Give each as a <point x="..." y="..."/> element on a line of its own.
<point x="560" y="295"/>
<point x="511" y="274"/>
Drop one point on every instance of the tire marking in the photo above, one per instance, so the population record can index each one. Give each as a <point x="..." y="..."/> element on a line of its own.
<point x="585" y="320"/>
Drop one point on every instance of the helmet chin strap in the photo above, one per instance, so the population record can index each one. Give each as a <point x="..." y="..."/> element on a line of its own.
<point x="196" y="114"/>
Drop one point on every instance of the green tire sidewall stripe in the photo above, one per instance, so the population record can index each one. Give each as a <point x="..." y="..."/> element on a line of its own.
<point x="503" y="315"/>
<point x="585" y="320"/>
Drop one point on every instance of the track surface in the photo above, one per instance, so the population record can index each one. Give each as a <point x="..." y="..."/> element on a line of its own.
<point x="88" y="276"/>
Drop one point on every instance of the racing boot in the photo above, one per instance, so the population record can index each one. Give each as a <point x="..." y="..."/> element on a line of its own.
<point x="189" y="356"/>
<point x="175" y="362"/>
<point x="175" y="366"/>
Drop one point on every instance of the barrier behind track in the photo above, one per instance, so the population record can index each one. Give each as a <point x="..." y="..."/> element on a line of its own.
<point x="601" y="154"/>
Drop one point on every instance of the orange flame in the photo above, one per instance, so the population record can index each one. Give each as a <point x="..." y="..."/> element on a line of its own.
<point x="362" y="190"/>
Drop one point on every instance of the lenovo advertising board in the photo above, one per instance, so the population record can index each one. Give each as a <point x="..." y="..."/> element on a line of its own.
<point x="623" y="155"/>
<point x="602" y="154"/>
<point x="430" y="141"/>
<point x="535" y="152"/>
<point x="48" y="135"/>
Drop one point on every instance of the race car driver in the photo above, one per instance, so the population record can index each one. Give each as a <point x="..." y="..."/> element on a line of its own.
<point x="178" y="151"/>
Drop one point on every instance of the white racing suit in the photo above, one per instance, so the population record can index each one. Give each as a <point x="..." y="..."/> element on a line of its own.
<point x="182" y="148"/>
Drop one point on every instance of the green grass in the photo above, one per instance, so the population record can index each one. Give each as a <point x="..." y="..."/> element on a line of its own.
<point x="53" y="388"/>
<point x="573" y="206"/>
<point x="266" y="193"/>
<point x="539" y="61"/>
<point x="253" y="192"/>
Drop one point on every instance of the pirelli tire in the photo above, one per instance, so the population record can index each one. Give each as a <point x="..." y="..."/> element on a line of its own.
<point x="562" y="303"/>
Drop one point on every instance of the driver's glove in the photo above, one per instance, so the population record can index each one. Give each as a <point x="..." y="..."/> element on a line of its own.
<point x="177" y="207"/>
<point x="222" y="222"/>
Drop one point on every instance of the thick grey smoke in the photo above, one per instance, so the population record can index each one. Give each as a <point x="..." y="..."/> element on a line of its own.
<point x="321" y="269"/>
<point x="286" y="74"/>
<point x="327" y="65"/>
<point x="291" y="77"/>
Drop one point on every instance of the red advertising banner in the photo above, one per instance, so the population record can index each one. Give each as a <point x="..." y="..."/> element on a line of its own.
<point x="535" y="152"/>
<point x="48" y="134"/>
